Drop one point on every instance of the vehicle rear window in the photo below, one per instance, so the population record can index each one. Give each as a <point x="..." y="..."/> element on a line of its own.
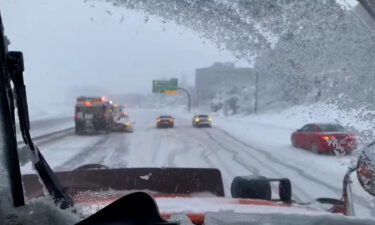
<point x="91" y="109"/>
<point x="164" y="117"/>
<point x="94" y="110"/>
<point x="331" y="127"/>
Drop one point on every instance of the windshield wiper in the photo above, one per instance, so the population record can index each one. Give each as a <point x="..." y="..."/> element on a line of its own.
<point x="14" y="67"/>
<point x="7" y="126"/>
<point x="54" y="187"/>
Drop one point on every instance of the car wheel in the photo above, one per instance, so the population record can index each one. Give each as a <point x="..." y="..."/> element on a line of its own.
<point x="77" y="130"/>
<point x="315" y="148"/>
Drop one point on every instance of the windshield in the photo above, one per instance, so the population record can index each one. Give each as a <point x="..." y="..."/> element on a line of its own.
<point x="165" y="117"/>
<point x="91" y="109"/>
<point x="331" y="127"/>
<point x="196" y="84"/>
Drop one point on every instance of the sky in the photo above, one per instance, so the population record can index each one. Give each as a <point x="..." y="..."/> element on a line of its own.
<point x="71" y="47"/>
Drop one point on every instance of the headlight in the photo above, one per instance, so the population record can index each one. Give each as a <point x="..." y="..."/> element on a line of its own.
<point x="210" y="119"/>
<point x="197" y="120"/>
<point x="128" y="124"/>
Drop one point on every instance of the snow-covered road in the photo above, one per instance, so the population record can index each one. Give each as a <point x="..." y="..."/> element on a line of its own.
<point x="263" y="150"/>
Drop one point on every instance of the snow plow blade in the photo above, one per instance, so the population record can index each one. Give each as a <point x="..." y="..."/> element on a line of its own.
<point x="169" y="181"/>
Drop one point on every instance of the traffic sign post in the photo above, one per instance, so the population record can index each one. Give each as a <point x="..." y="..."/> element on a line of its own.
<point x="189" y="97"/>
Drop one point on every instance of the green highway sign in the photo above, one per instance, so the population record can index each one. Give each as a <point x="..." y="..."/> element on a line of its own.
<point x="165" y="86"/>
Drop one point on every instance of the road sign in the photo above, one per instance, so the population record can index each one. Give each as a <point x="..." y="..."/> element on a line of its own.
<point x="163" y="86"/>
<point x="169" y="92"/>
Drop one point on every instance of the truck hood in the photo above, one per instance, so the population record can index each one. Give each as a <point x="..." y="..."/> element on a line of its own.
<point x="227" y="211"/>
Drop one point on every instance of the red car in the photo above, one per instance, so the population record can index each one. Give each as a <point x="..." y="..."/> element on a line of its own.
<point x="324" y="138"/>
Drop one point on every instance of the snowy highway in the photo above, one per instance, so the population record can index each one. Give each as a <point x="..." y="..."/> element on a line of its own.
<point x="266" y="151"/>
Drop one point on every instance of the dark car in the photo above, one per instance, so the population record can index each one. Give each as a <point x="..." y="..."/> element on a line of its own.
<point x="165" y="121"/>
<point x="324" y="138"/>
<point x="202" y="121"/>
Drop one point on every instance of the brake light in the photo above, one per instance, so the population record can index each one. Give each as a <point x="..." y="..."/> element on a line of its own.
<point x="327" y="138"/>
<point x="105" y="115"/>
<point x="87" y="103"/>
<point x="170" y="120"/>
<point x="158" y="120"/>
<point x="75" y="116"/>
<point x="351" y="137"/>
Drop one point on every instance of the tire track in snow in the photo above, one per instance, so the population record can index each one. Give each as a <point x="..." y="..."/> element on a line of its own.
<point x="117" y="158"/>
<point x="235" y="157"/>
<point x="187" y="146"/>
<point x="210" y="154"/>
<point x="148" y="125"/>
<point x="207" y="154"/>
<point x="159" y="140"/>
<point x="81" y="156"/>
<point x="240" y="161"/>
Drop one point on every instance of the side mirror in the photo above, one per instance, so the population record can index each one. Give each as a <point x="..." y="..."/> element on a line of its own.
<point x="366" y="169"/>
<point x="299" y="130"/>
<point x="258" y="187"/>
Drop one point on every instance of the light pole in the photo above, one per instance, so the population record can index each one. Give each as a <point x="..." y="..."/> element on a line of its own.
<point x="188" y="95"/>
<point x="256" y="93"/>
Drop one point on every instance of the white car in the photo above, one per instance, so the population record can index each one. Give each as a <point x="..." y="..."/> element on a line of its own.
<point x="202" y="121"/>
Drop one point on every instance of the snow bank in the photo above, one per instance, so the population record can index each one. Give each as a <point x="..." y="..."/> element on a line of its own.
<point x="359" y="120"/>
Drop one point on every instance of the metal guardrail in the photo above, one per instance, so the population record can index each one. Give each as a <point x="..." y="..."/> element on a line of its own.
<point x="48" y="135"/>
